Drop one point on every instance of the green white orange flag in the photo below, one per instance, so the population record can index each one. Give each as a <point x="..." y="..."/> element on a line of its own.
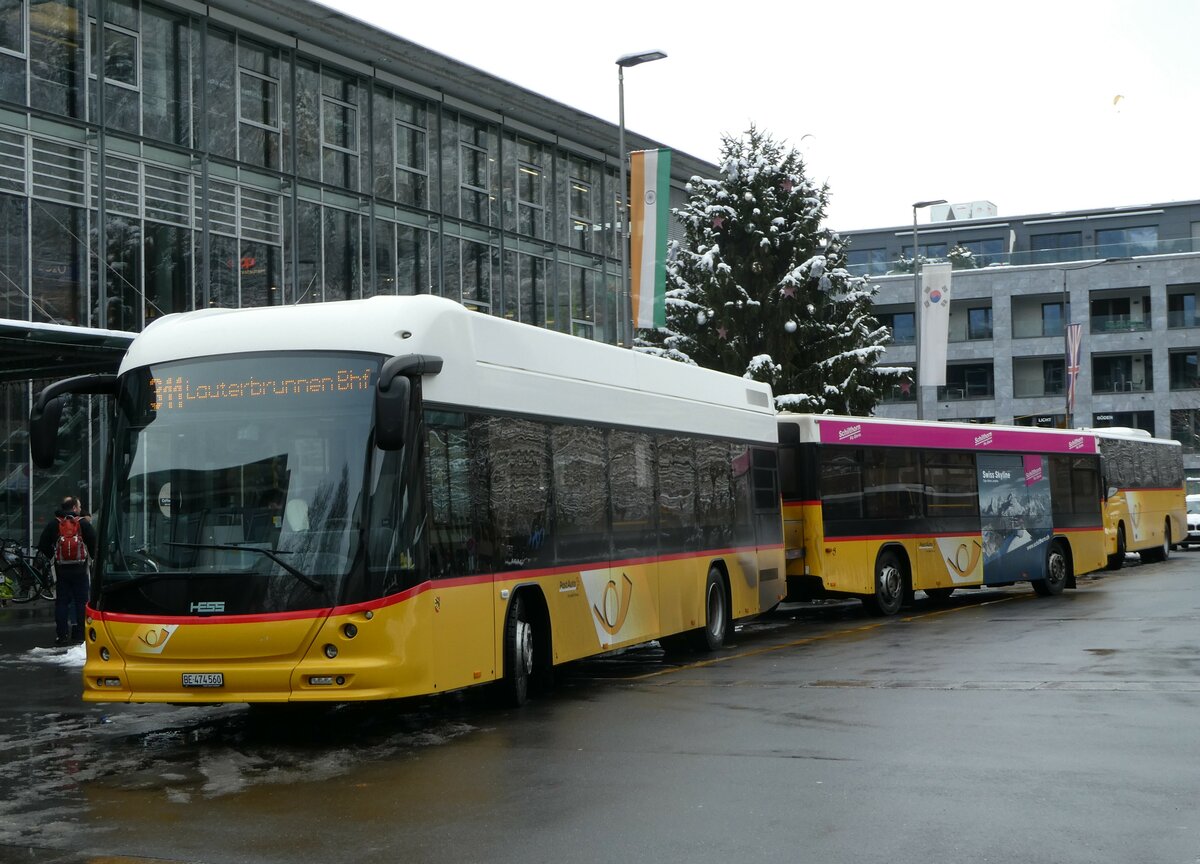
<point x="649" y="198"/>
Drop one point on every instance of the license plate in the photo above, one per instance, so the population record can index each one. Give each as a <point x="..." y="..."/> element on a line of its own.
<point x="203" y="679"/>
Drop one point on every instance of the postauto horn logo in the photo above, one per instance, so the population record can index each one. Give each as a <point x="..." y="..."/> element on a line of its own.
<point x="152" y="638"/>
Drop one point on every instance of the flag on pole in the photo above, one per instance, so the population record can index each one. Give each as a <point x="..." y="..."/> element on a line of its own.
<point x="649" y="197"/>
<point x="1074" y="342"/>
<point x="935" y="324"/>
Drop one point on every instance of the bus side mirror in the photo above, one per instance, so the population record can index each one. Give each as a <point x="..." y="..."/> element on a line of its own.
<point x="47" y="410"/>
<point x="393" y="393"/>
<point x="43" y="432"/>
<point x="391" y="411"/>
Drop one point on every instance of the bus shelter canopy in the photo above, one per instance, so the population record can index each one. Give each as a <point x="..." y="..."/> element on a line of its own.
<point x="35" y="351"/>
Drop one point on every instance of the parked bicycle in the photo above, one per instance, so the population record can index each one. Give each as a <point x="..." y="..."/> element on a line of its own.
<point x="24" y="575"/>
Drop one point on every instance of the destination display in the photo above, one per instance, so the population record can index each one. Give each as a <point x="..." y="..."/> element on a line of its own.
<point x="174" y="392"/>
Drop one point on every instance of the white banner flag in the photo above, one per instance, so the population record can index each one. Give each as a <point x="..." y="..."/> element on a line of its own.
<point x="935" y="324"/>
<point x="649" y="197"/>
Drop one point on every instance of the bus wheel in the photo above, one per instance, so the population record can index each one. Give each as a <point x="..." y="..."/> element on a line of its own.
<point x="518" y="655"/>
<point x="889" y="585"/>
<point x="1160" y="553"/>
<point x="1116" y="562"/>
<point x="939" y="595"/>
<point x="711" y="636"/>
<point x="1058" y="572"/>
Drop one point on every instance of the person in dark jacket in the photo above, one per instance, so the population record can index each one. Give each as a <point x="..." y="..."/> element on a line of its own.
<point x="73" y="574"/>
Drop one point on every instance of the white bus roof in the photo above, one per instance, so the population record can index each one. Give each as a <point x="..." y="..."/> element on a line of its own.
<point x="1131" y="434"/>
<point x="935" y="435"/>
<point x="489" y="362"/>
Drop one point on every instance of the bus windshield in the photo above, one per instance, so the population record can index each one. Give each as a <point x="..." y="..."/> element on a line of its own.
<point x="236" y="485"/>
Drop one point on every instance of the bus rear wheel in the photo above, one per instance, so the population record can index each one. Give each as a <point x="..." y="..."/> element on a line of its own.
<point x="518" y="655"/>
<point x="1058" y="572"/>
<point x="889" y="585"/>
<point x="711" y="636"/>
<point x="1160" y="553"/>
<point x="1117" y="561"/>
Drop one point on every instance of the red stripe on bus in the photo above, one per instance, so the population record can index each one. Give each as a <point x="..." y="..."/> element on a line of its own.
<point x="409" y="593"/>
<point x="788" y="503"/>
<point x="859" y="537"/>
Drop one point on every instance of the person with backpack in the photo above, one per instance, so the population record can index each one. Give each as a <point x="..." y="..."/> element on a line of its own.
<point x="69" y="541"/>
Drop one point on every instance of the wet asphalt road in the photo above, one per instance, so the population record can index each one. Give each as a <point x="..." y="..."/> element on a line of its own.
<point x="1001" y="727"/>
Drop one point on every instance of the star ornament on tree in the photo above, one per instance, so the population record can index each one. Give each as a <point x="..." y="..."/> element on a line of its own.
<point x="788" y="291"/>
<point x="786" y="185"/>
<point x="722" y="333"/>
<point x="718" y="221"/>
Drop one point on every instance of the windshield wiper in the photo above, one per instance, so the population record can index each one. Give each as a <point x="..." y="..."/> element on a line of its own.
<point x="235" y="547"/>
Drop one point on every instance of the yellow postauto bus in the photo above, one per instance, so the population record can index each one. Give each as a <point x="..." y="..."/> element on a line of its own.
<point x="878" y="509"/>
<point x="398" y="496"/>
<point x="1145" y="509"/>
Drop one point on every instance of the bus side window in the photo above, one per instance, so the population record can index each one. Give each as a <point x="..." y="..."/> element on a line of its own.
<point x="676" y="491"/>
<point x="447" y="478"/>
<point x="841" y="484"/>
<point x="951" y="484"/>
<point x="714" y="503"/>
<point x="892" y="484"/>
<point x="631" y="481"/>
<point x="580" y="493"/>
<point x="518" y="479"/>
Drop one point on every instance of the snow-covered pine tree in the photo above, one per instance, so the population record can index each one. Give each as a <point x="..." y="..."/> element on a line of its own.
<point x="758" y="288"/>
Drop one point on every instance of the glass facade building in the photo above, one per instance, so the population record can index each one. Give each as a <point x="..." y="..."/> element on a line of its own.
<point x="163" y="157"/>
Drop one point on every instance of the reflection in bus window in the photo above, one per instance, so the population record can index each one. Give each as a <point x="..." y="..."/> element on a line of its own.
<point x="841" y="484"/>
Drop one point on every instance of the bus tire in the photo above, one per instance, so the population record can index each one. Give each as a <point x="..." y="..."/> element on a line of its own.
<point x="711" y="636"/>
<point x="518" y="654"/>
<point x="889" y="585"/>
<point x="1058" y="572"/>
<point x="1159" y="553"/>
<point x="939" y="595"/>
<point x="1117" y="561"/>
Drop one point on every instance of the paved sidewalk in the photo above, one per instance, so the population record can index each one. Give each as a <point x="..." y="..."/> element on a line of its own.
<point x="26" y="626"/>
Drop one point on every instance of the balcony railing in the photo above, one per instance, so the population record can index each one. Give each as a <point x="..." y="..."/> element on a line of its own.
<point x="1039" y="256"/>
<point x="1118" y="324"/>
<point x="896" y="393"/>
<point x="1103" y="384"/>
<point x="1034" y="392"/>
<point x="956" y="393"/>
<point x="1178" y="319"/>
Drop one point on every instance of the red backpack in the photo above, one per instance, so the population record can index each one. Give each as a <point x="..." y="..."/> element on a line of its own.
<point x="70" y="548"/>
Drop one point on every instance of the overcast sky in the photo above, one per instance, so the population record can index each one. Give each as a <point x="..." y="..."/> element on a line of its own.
<point x="1035" y="106"/>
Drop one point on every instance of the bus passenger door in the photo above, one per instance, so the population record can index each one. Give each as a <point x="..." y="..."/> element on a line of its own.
<point x="460" y="601"/>
<point x="768" y="529"/>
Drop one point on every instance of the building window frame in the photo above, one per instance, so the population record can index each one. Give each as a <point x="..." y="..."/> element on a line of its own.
<point x="405" y="127"/>
<point x="1180" y="377"/>
<point x="243" y="73"/>
<point x="982" y="330"/>
<point x="22" y="31"/>
<point x="93" y="54"/>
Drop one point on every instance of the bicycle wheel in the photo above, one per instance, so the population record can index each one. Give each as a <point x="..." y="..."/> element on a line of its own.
<point x="24" y="586"/>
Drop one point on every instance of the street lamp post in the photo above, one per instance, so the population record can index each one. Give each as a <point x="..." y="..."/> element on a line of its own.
<point x="1066" y="324"/>
<point x="917" y="301"/>
<point x="623" y="62"/>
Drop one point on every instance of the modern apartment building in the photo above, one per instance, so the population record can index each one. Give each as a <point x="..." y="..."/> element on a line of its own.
<point x="1130" y="275"/>
<point x="171" y="155"/>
